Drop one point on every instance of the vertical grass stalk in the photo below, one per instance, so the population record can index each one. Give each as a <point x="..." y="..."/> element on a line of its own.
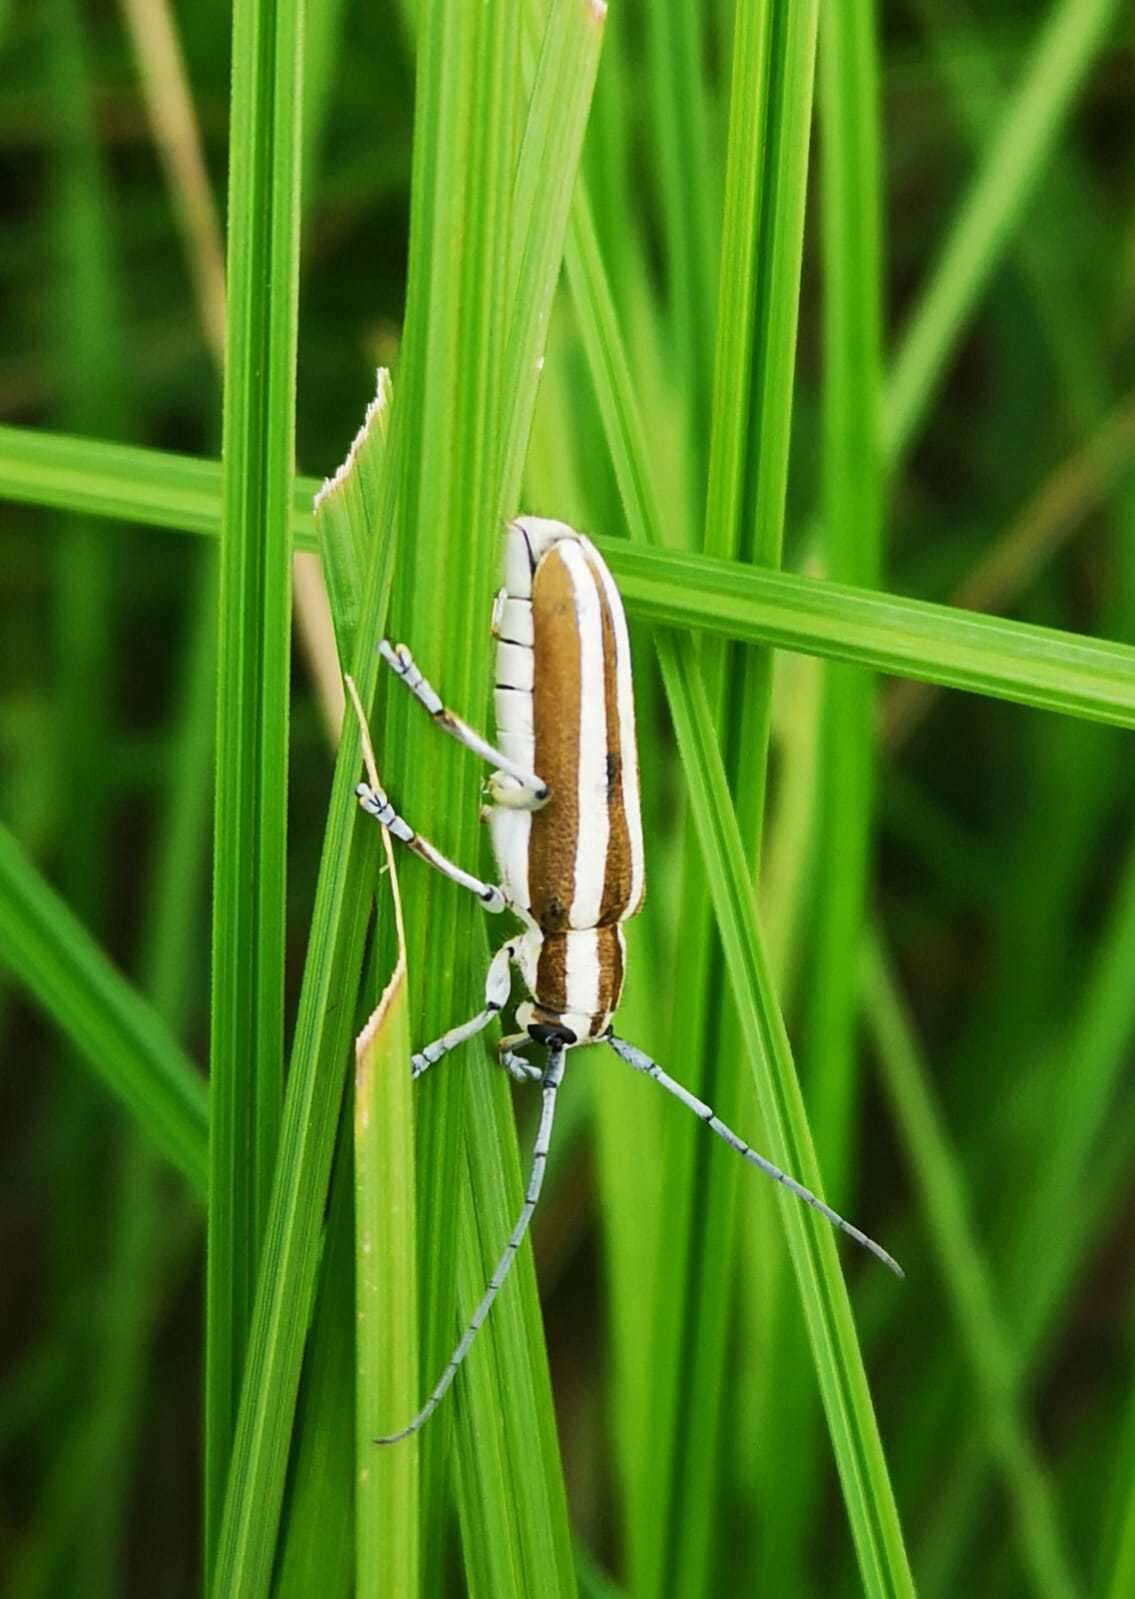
<point x="247" y="1038"/>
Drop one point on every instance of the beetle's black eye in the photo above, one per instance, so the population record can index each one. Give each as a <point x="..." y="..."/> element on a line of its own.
<point x="551" y="1033"/>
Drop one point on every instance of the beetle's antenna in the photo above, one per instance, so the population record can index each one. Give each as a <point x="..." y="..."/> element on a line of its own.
<point x="643" y="1063"/>
<point x="553" y="1076"/>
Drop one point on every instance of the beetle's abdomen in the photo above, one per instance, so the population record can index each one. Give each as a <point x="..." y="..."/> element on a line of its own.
<point x="565" y="706"/>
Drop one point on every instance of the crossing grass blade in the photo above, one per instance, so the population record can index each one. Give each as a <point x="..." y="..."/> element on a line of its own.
<point x="1073" y="673"/>
<point x="254" y="619"/>
<point x="125" y="1042"/>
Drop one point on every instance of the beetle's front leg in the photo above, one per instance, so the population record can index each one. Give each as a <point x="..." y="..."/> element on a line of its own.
<point x="402" y="663"/>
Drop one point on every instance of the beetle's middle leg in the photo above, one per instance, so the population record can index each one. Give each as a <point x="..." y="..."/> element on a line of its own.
<point x="372" y="799"/>
<point x="534" y="791"/>
<point x="375" y="803"/>
<point x="497" y="987"/>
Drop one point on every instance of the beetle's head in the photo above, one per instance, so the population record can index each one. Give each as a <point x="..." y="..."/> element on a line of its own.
<point x="550" y="1027"/>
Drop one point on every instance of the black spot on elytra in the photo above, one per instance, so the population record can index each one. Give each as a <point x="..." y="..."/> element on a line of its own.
<point x="614" y="767"/>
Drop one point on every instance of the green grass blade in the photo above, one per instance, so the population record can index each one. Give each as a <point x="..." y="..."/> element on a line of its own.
<point x="286" y="1284"/>
<point x="335" y="950"/>
<point x="559" y="100"/>
<point x="1020" y="661"/>
<point x="317" y="1545"/>
<point x="1063" y="1211"/>
<point x="386" y="1511"/>
<point x="968" y="1281"/>
<point x="247" y="1038"/>
<point x="852" y="520"/>
<point x="346" y="515"/>
<point x="680" y="121"/>
<point x="851" y="517"/>
<point x="744" y="516"/>
<point x="451" y="502"/>
<point x="839" y="1364"/>
<point x="123" y="1040"/>
<point x="1121" y="1578"/>
<point x="1064" y="50"/>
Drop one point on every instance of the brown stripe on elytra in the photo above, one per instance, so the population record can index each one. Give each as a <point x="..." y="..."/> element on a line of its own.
<point x="555" y="716"/>
<point x="609" y="948"/>
<point x="617" y="875"/>
<point x="551" y="974"/>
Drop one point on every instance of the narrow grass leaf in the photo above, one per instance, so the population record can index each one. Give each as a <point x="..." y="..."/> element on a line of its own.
<point x="852" y="521"/>
<point x="969" y="1286"/>
<point x="386" y="1507"/>
<point x="839" y="1365"/>
<point x="247" y="1037"/>
<point x="286" y="1285"/>
<point x="125" y="1042"/>
<point x="562" y="83"/>
<point x="1072" y="673"/>
<point x="1020" y="661"/>
<point x="349" y="855"/>
<point x="744" y="517"/>
<point x="317" y="1542"/>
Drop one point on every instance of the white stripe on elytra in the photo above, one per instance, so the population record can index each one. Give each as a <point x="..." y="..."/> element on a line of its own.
<point x="582" y="975"/>
<point x="594" y="825"/>
<point x="625" y="700"/>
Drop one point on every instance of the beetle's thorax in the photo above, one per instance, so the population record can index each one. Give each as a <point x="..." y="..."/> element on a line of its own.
<point x="574" y="977"/>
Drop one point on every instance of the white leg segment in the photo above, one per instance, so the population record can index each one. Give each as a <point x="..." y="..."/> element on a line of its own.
<point x="519" y="1069"/>
<point x="376" y="804"/>
<point x="497" y="986"/>
<point x="643" y="1063"/>
<point x="401" y="662"/>
<point x="553" y="1076"/>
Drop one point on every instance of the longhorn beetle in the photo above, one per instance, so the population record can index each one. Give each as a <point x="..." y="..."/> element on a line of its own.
<point x="567" y="836"/>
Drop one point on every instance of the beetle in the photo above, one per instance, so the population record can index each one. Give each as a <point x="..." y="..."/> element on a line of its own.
<point x="566" y="832"/>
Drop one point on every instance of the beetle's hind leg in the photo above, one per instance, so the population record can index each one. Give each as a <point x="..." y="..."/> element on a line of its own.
<point x="497" y="986"/>
<point x="402" y="663"/>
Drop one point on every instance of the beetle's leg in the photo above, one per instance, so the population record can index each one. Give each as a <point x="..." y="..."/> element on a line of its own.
<point x="375" y="803"/>
<point x="643" y="1063"/>
<point x="497" y="986"/>
<point x="519" y="1069"/>
<point x="400" y="661"/>
<point x="552" y="1077"/>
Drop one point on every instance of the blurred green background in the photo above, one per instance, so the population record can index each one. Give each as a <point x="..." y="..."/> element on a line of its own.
<point x="987" y="1138"/>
